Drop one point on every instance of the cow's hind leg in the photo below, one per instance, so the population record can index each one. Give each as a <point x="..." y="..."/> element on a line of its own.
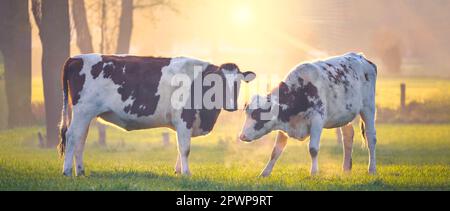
<point x="184" y="147"/>
<point x="278" y="148"/>
<point x="76" y="137"/>
<point x="339" y="137"/>
<point x="348" y="134"/>
<point x="369" y="133"/>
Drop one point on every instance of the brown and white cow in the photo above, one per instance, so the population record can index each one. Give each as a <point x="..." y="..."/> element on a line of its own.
<point x="317" y="95"/>
<point x="135" y="93"/>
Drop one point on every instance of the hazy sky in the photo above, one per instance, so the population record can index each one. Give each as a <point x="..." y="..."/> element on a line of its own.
<point x="273" y="36"/>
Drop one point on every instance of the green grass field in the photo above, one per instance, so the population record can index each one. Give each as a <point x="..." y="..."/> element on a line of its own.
<point x="410" y="157"/>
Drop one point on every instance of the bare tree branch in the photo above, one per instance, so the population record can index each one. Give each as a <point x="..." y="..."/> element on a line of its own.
<point x="84" y="38"/>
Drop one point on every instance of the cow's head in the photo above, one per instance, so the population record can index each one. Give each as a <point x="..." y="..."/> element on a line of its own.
<point x="261" y="117"/>
<point x="232" y="78"/>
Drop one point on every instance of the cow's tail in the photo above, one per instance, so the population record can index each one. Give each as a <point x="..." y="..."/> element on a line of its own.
<point x="65" y="111"/>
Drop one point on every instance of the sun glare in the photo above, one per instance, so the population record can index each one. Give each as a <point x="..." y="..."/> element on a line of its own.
<point x="242" y="15"/>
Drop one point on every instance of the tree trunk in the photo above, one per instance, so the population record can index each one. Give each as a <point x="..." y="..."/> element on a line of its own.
<point x="84" y="38"/>
<point x="101" y="134"/>
<point x="103" y="27"/>
<point x="54" y="31"/>
<point x="3" y="16"/>
<point x="125" y="27"/>
<point x="16" y="48"/>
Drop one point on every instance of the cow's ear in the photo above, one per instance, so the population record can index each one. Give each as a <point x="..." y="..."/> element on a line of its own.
<point x="283" y="88"/>
<point x="248" y="76"/>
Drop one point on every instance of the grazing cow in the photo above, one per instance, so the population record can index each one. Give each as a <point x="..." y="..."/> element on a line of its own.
<point x="317" y="95"/>
<point x="135" y="93"/>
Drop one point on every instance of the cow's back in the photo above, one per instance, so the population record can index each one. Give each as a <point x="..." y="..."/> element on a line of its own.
<point x="345" y="83"/>
<point x="132" y="92"/>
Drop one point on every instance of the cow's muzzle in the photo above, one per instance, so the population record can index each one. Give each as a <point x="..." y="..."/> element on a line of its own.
<point x="244" y="138"/>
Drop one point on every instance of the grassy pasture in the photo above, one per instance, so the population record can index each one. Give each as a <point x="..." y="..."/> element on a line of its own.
<point x="410" y="157"/>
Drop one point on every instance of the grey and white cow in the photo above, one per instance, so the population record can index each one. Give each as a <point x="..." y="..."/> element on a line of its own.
<point x="135" y="93"/>
<point x="317" y="95"/>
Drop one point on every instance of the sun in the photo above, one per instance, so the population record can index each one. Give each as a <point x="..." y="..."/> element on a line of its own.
<point x="242" y="15"/>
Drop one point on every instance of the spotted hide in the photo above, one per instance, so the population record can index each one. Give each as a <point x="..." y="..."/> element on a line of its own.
<point x="132" y="93"/>
<point x="317" y="95"/>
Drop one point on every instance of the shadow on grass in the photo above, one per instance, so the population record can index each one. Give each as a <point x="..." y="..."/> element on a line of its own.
<point x="140" y="180"/>
<point x="125" y="175"/>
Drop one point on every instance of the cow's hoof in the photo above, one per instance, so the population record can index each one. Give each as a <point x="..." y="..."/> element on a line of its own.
<point x="186" y="174"/>
<point x="81" y="174"/>
<point x="347" y="169"/>
<point x="314" y="173"/>
<point x="372" y="171"/>
<point x="264" y="174"/>
<point x="177" y="171"/>
<point x="67" y="174"/>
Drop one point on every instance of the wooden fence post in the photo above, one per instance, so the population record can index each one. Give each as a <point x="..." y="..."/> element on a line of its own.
<point x="165" y="139"/>
<point x="101" y="128"/>
<point x="41" y="140"/>
<point x="402" y="97"/>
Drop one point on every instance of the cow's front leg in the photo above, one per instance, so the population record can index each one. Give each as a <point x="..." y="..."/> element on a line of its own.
<point x="184" y="147"/>
<point x="278" y="148"/>
<point x="314" y="143"/>
<point x="178" y="164"/>
<point x="348" y="134"/>
<point x="79" y="149"/>
<point x="68" y="155"/>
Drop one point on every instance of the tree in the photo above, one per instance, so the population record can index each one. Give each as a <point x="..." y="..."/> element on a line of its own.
<point x="15" y="44"/>
<point x="52" y="19"/>
<point x="388" y="47"/>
